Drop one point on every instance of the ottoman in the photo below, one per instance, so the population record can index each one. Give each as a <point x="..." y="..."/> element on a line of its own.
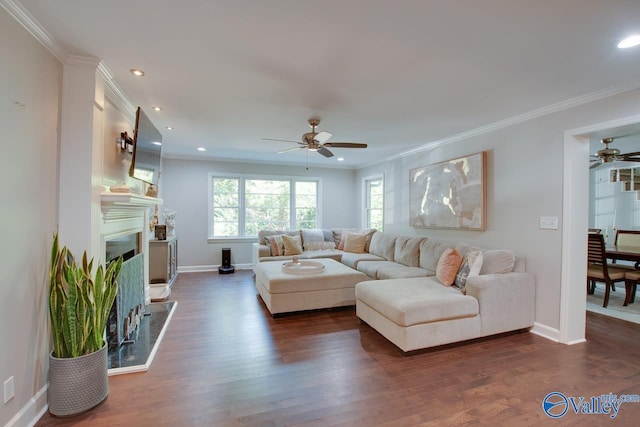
<point x="285" y="292"/>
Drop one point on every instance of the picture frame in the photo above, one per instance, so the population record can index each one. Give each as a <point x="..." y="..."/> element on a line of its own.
<point x="449" y="194"/>
<point x="161" y="232"/>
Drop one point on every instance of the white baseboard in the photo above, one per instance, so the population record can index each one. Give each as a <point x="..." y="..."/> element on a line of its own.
<point x="545" y="331"/>
<point x="200" y="268"/>
<point x="30" y="413"/>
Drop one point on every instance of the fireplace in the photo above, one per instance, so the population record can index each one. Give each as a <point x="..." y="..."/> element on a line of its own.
<point x="128" y="308"/>
<point x="124" y="233"/>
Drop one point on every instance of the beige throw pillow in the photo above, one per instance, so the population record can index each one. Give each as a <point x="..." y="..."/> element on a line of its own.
<point x="355" y="242"/>
<point x="292" y="245"/>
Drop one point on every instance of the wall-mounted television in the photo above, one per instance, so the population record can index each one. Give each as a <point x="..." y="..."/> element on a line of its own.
<point x="147" y="146"/>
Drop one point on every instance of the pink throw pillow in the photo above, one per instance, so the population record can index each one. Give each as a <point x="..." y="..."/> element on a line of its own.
<point x="448" y="266"/>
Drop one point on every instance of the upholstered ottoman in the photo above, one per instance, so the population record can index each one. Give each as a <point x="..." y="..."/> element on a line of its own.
<point x="284" y="292"/>
<point x="417" y="312"/>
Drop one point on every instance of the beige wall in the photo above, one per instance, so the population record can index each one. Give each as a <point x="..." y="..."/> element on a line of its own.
<point x="30" y="87"/>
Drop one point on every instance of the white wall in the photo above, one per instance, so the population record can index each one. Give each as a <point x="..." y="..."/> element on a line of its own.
<point x="30" y="87"/>
<point x="184" y="187"/>
<point x="525" y="182"/>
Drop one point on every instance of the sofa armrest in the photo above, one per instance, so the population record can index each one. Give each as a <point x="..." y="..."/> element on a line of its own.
<point x="258" y="251"/>
<point x="506" y="301"/>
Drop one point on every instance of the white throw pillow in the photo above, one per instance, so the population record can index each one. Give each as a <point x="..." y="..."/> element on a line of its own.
<point x="471" y="266"/>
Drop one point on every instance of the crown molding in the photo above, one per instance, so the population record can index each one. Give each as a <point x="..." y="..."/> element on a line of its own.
<point x="117" y="95"/>
<point x="550" y="109"/>
<point x="20" y="14"/>
<point x="24" y="18"/>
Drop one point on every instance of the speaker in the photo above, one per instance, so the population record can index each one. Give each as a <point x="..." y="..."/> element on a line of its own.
<point x="226" y="257"/>
<point x="226" y="267"/>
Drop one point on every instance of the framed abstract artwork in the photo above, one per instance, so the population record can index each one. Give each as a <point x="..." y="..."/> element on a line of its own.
<point x="450" y="194"/>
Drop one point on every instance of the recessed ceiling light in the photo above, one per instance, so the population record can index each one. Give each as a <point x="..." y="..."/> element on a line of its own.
<point x="168" y="127"/>
<point x="630" y="42"/>
<point x="137" y="72"/>
<point x="156" y="108"/>
<point x="340" y="159"/>
<point x="202" y="149"/>
<point x="156" y="143"/>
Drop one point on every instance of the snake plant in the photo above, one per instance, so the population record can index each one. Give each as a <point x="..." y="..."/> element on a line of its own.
<point x="79" y="302"/>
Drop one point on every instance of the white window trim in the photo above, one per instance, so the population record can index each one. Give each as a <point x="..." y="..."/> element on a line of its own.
<point x="365" y="195"/>
<point x="242" y="177"/>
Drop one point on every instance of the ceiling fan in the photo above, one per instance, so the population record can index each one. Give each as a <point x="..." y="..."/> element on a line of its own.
<point x="608" y="155"/>
<point x="317" y="141"/>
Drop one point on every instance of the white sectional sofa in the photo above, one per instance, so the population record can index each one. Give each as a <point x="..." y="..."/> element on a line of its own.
<point x="405" y="299"/>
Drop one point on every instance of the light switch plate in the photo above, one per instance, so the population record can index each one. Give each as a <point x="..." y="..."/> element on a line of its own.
<point x="549" y="222"/>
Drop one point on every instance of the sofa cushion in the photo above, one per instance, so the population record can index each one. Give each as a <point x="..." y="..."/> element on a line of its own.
<point x="370" y="268"/>
<point x="430" y="253"/>
<point x="325" y="253"/>
<point x="275" y="244"/>
<point x="292" y="245"/>
<point x="311" y="236"/>
<point x="382" y="245"/>
<point x="407" y="251"/>
<point x="414" y="301"/>
<point x="400" y="271"/>
<point x="352" y="260"/>
<point x="448" y="266"/>
<point x="354" y="242"/>
<point x="318" y="246"/>
<point x="497" y="261"/>
<point x="471" y="265"/>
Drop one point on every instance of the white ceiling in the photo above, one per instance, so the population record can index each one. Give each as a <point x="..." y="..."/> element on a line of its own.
<point x="393" y="74"/>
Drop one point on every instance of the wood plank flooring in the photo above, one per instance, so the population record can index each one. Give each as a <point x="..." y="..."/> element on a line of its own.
<point x="225" y="362"/>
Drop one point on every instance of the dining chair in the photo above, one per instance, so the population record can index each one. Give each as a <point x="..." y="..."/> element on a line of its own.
<point x="627" y="238"/>
<point x="631" y="284"/>
<point x="597" y="268"/>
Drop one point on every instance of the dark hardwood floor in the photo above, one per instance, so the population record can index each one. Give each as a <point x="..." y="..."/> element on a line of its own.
<point x="225" y="362"/>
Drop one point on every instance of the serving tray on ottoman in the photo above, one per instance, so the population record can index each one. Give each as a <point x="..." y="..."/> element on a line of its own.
<point x="284" y="292"/>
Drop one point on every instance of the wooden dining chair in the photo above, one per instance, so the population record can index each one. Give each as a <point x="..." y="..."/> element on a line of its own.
<point x="632" y="278"/>
<point x="627" y="238"/>
<point x="597" y="268"/>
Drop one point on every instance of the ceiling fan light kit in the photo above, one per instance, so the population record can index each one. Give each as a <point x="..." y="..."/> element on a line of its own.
<point x="608" y="155"/>
<point x="317" y="141"/>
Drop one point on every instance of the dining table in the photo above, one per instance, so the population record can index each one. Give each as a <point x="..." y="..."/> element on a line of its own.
<point x="624" y="253"/>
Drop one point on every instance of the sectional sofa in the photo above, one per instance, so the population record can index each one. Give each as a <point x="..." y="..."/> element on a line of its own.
<point x="421" y="292"/>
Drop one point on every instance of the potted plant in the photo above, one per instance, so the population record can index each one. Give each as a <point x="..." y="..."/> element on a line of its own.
<point x="79" y="306"/>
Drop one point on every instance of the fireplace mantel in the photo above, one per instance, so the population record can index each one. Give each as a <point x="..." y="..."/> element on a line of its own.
<point x="125" y="205"/>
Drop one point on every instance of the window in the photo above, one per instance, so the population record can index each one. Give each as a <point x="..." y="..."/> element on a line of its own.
<point x="242" y="206"/>
<point x="374" y="202"/>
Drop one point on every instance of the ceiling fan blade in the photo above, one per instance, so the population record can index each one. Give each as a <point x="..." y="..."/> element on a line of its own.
<point x="289" y="149"/>
<point x="282" y="140"/>
<point x="345" y="145"/>
<point x="595" y="165"/>
<point x="322" y="137"/>
<point x="625" y="155"/>
<point x="325" y="152"/>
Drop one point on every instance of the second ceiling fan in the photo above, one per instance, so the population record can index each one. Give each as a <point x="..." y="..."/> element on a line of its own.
<point x="317" y="141"/>
<point x="608" y="155"/>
